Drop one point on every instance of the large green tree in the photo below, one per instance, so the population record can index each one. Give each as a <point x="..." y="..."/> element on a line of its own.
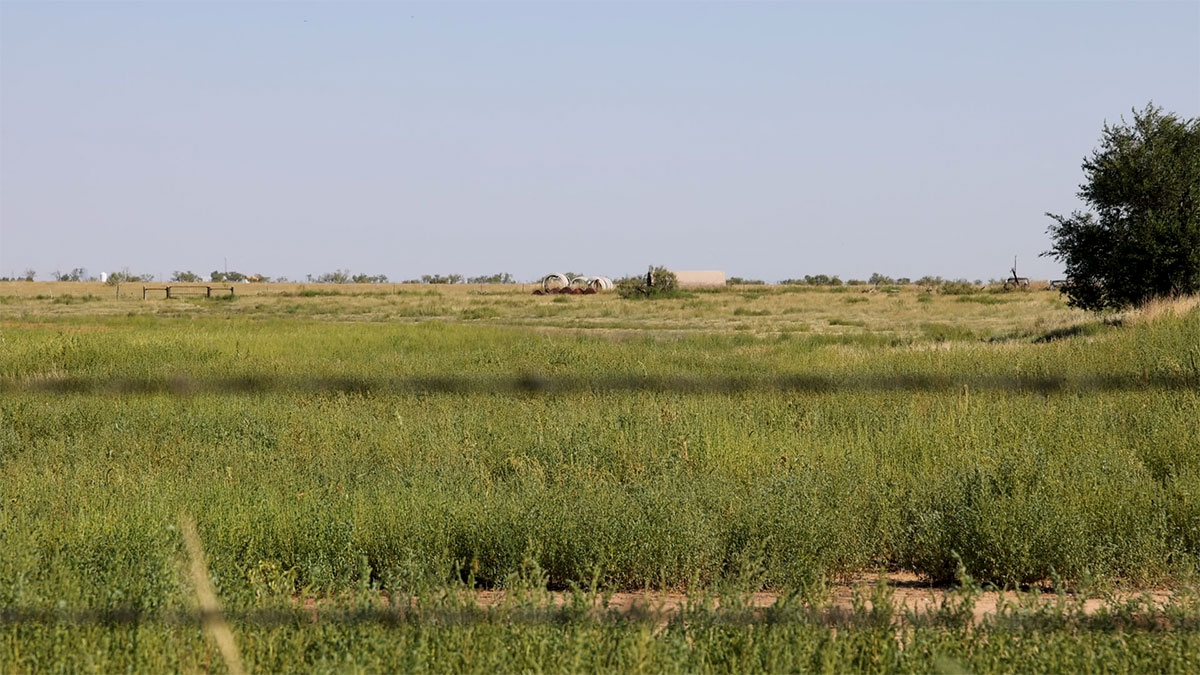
<point x="1143" y="241"/>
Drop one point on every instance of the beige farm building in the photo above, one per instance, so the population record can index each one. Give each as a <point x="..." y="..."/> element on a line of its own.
<point x="699" y="278"/>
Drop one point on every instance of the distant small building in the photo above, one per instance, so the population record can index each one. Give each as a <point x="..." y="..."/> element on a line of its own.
<point x="700" y="278"/>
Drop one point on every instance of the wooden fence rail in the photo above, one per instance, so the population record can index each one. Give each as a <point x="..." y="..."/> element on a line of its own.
<point x="173" y="290"/>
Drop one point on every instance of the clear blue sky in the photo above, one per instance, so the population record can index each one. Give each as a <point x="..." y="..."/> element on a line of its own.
<point x="767" y="140"/>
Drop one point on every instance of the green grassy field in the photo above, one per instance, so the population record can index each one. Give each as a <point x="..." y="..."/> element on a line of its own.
<point x="364" y="443"/>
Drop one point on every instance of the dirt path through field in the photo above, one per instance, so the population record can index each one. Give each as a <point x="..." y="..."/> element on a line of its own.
<point x="911" y="599"/>
<point x="907" y="592"/>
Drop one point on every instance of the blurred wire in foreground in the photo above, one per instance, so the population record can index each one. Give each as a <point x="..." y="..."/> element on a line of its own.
<point x="554" y="385"/>
<point x="206" y="598"/>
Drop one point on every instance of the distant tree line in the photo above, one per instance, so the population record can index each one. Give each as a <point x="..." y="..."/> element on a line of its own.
<point x="115" y="278"/>
<point x="341" y="276"/>
<point x="27" y="275"/>
<point x="876" y="279"/>
<point x="77" y="274"/>
<point x="217" y="276"/>
<point x="814" y="280"/>
<point x="501" y="278"/>
<point x="81" y="274"/>
<point x="346" y="277"/>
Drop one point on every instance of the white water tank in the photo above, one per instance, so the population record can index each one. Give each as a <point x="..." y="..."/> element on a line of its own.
<point x="103" y="277"/>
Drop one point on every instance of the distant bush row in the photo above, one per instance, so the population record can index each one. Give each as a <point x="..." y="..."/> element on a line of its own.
<point x="340" y="276"/>
<point x="343" y="276"/>
<point x="876" y="279"/>
<point x="501" y="278"/>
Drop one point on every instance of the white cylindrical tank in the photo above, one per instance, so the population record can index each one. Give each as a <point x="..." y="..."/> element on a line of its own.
<point x="553" y="282"/>
<point x="600" y="283"/>
<point x="103" y="277"/>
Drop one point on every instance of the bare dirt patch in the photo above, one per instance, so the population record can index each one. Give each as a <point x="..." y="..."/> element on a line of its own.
<point x="910" y="597"/>
<point x="907" y="592"/>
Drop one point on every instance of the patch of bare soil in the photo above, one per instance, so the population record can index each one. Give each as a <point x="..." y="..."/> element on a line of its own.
<point x="910" y="597"/>
<point x="908" y="593"/>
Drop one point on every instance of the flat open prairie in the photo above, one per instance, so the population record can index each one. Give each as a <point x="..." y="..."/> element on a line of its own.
<point x="345" y="446"/>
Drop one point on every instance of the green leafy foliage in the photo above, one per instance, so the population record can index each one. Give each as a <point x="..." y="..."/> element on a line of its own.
<point x="814" y="280"/>
<point x="335" y="277"/>
<point x="77" y="274"/>
<point x="115" y="278"/>
<point x="1143" y="241"/>
<point x="441" y="278"/>
<point x="960" y="287"/>
<point x="501" y="278"/>
<point x="658" y="283"/>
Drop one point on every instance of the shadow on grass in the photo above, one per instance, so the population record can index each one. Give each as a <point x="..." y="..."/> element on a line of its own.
<point x="535" y="385"/>
<point x="1077" y="330"/>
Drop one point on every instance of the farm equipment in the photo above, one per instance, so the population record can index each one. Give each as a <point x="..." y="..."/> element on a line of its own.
<point x="1014" y="281"/>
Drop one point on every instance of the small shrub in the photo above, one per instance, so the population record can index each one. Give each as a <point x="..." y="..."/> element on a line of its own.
<point x="958" y="288"/>
<point x="479" y="313"/>
<point x="847" y="322"/>
<point x="69" y="299"/>
<point x="1077" y="330"/>
<point x="981" y="299"/>
<point x="663" y="284"/>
